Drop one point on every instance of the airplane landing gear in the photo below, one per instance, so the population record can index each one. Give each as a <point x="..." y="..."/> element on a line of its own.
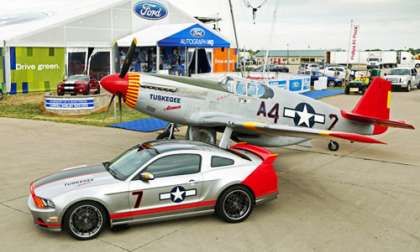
<point x="168" y="133"/>
<point x="206" y="135"/>
<point x="333" y="146"/>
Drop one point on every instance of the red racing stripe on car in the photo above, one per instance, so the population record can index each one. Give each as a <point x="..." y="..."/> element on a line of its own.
<point x="163" y="209"/>
<point x="49" y="225"/>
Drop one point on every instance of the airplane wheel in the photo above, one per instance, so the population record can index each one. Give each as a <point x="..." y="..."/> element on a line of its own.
<point x="333" y="146"/>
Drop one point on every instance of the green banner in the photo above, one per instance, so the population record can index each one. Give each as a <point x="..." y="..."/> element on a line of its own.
<point x="38" y="68"/>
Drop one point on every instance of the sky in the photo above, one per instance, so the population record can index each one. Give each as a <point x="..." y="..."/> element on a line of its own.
<point x="299" y="24"/>
<point x="317" y="24"/>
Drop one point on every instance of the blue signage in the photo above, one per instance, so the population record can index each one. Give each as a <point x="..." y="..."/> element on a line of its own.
<point x="194" y="36"/>
<point x="295" y="85"/>
<point x="71" y="103"/>
<point x="150" y="10"/>
<point x="278" y="83"/>
<point x="306" y="83"/>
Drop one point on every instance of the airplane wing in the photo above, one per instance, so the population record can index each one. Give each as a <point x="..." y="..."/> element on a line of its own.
<point x="284" y="130"/>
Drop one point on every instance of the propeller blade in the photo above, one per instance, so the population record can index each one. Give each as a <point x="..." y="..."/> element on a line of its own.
<point x="110" y="103"/>
<point x="128" y="58"/>
<point x="120" y="106"/>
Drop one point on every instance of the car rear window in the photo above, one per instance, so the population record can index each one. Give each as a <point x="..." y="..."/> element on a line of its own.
<point x="217" y="161"/>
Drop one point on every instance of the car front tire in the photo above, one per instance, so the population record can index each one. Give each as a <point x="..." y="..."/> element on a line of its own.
<point x="85" y="220"/>
<point x="235" y="204"/>
<point x="331" y="83"/>
<point x="408" y="88"/>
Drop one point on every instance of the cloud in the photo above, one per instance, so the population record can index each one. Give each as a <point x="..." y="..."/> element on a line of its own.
<point x="318" y="23"/>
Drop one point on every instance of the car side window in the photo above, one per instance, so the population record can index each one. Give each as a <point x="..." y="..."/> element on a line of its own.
<point x="217" y="161"/>
<point x="174" y="165"/>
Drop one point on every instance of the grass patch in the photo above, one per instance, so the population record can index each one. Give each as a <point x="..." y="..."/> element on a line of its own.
<point x="28" y="106"/>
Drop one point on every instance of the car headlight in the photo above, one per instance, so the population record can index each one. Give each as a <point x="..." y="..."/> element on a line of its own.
<point x="40" y="202"/>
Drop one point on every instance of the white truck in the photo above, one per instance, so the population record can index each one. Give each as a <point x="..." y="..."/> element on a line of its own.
<point x="404" y="77"/>
<point x="374" y="59"/>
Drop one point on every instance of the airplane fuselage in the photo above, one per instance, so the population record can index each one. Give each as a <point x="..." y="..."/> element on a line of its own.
<point x="191" y="105"/>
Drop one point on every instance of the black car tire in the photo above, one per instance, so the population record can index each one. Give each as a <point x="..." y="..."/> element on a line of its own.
<point x="331" y="83"/>
<point x="86" y="209"/>
<point x="408" y="88"/>
<point x="347" y="90"/>
<point x="235" y="198"/>
<point x="87" y="90"/>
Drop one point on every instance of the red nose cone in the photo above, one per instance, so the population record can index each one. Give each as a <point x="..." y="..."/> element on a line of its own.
<point x="114" y="84"/>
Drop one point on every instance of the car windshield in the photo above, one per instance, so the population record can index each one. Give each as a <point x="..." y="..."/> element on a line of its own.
<point x="399" y="72"/>
<point x="128" y="162"/>
<point x="78" y="77"/>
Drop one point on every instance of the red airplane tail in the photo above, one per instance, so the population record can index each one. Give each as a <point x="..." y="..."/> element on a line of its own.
<point x="374" y="108"/>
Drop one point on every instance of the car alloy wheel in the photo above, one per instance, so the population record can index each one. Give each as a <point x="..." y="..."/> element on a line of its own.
<point x="85" y="220"/>
<point x="235" y="204"/>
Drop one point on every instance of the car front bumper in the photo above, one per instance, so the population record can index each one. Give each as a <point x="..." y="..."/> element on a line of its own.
<point x="399" y="84"/>
<point x="47" y="219"/>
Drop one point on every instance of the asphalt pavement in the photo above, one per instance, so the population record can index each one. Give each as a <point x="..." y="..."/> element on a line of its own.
<point x="361" y="198"/>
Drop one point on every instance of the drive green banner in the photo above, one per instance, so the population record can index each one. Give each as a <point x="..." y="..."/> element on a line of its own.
<point x="36" y="68"/>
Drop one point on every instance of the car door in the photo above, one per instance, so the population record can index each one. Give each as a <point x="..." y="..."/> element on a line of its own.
<point x="176" y="186"/>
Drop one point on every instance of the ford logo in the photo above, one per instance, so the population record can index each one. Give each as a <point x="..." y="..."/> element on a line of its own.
<point x="197" y="32"/>
<point x="150" y="10"/>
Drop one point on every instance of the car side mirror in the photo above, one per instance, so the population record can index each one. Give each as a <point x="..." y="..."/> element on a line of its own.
<point x="146" y="176"/>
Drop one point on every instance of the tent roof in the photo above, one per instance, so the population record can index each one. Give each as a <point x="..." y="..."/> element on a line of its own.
<point x="151" y="35"/>
<point x="175" y="35"/>
<point x="195" y="36"/>
<point x="43" y="15"/>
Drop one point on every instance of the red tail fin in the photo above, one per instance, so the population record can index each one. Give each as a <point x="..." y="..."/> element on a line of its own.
<point x="374" y="108"/>
<point x="376" y="102"/>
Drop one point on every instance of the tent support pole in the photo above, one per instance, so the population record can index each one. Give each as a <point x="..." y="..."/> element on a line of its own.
<point x="7" y="68"/>
<point x="196" y="60"/>
<point x="157" y="58"/>
<point x="228" y="60"/>
<point x="186" y="61"/>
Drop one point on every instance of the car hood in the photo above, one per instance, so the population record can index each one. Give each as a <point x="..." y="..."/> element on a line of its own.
<point x="72" y="179"/>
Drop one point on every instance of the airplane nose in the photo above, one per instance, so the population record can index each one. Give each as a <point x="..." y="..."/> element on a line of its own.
<point x="115" y="84"/>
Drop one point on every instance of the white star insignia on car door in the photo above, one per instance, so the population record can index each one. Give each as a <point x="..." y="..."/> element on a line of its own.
<point x="178" y="194"/>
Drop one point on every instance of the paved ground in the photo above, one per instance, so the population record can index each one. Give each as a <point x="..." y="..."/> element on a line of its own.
<point x="362" y="198"/>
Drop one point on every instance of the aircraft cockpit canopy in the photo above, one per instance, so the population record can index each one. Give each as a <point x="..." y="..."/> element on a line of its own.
<point x="244" y="87"/>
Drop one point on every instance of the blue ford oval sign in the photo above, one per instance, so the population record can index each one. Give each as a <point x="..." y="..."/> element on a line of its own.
<point x="150" y="10"/>
<point x="197" y="32"/>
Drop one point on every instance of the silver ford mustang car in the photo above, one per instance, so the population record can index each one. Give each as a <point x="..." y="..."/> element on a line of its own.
<point x="157" y="180"/>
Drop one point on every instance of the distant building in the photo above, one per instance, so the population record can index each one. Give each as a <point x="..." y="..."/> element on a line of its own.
<point x="291" y="57"/>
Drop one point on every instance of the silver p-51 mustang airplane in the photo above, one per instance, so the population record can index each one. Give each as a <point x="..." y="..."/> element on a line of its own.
<point x="250" y="111"/>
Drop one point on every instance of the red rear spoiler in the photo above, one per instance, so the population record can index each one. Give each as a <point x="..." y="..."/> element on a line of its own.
<point x="259" y="151"/>
<point x="375" y="120"/>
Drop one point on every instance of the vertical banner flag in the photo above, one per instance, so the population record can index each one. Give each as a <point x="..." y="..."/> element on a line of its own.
<point x="354" y="38"/>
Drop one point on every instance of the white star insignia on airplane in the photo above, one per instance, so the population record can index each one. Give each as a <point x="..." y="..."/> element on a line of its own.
<point x="304" y="116"/>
